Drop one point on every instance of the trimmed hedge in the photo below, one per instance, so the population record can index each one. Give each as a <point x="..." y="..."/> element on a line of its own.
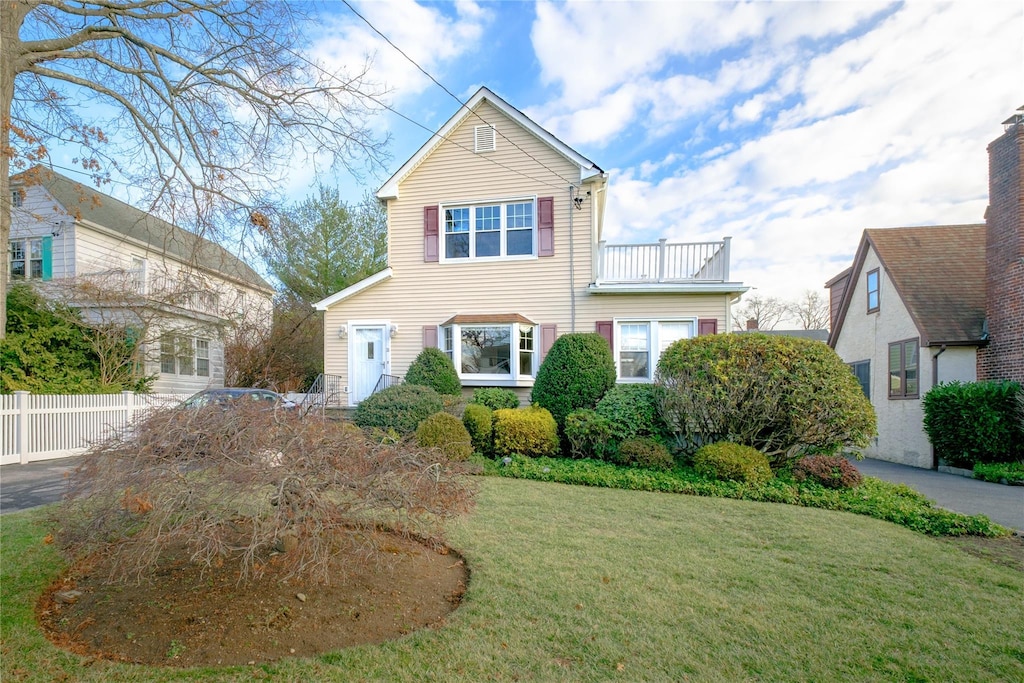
<point x="401" y="407"/>
<point x="575" y="374"/>
<point x="785" y="396"/>
<point x="496" y="398"/>
<point x="446" y="433"/>
<point x="479" y="422"/>
<point x="433" y="368"/>
<point x="644" y="452"/>
<point x="975" y="422"/>
<point x="732" y="461"/>
<point x="527" y="431"/>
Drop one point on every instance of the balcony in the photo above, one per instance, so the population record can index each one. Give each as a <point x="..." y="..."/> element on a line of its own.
<point x="689" y="266"/>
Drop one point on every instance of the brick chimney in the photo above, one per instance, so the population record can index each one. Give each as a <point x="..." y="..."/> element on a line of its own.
<point x="1003" y="357"/>
<point x="751" y="323"/>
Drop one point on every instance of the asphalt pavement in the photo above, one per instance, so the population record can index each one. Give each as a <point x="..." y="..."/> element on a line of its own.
<point x="39" y="483"/>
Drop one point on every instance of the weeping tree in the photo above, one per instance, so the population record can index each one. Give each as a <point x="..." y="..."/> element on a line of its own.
<point x="202" y="104"/>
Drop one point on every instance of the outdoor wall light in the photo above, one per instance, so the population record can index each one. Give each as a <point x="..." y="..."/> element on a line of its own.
<point x="392" y="331"/>
<point x="342" y="332"/>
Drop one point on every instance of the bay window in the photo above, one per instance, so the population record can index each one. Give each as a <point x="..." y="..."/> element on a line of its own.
<point x="490" y="350"/>
<point x="489" y="231"/>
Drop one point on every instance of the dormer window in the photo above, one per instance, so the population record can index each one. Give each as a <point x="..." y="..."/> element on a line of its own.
<point x="485" y="138"/>
<point x="16" y="198"/>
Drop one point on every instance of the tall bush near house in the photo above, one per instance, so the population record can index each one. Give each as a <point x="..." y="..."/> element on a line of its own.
<point x="975" y="422"/>
<point x="576" y="373"/>
<point x="785" y="396"/>
<point x="526" y="431"/>
<point x="432" y="368"/>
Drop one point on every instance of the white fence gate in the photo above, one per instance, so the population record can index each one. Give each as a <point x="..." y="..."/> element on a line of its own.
<point x="42" y="427"/>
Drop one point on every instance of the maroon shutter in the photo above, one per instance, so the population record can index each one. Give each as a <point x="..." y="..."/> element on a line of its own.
<point x="707" y="326"/>
<point x="606" y="329"/>
<point x="429" y="336"/>
<point x="430" y="229"/>
<point x="548" y="333"/>
<point x="545" y="226"/>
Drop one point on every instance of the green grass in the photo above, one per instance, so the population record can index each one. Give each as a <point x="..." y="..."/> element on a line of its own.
<point x="884" y="500"/>
<point x="594" y="584"/>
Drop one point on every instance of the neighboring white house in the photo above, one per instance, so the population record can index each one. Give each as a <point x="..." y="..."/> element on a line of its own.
<point x="182" y="293"/>
<point x="908" y="314"/>
<point x="496" y="246"/>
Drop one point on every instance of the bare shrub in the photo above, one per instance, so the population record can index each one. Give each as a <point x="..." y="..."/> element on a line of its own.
<point x="252" y="486"/>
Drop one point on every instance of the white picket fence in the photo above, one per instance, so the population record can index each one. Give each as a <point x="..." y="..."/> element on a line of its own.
<point x="42" y="427"/>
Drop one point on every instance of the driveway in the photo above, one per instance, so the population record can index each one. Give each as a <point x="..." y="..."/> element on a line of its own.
<point x="34" y="484"/>
<point x="1002" y="504"/>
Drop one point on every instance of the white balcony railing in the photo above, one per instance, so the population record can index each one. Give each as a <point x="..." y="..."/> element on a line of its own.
<point x="662" y="262"/>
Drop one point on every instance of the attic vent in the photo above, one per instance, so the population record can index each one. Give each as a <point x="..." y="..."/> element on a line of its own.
<point x="485" y="138"/>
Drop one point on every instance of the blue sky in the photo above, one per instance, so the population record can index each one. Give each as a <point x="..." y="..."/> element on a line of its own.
<point x="790" y="126"/>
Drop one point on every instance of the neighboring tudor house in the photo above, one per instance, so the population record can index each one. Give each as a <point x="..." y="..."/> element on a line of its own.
<point x="181" y="293"/>
<point x="495" y="248"/>
<point x="924" y="305"/>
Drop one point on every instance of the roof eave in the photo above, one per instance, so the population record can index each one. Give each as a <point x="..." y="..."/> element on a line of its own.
<point x="354" y="289"/>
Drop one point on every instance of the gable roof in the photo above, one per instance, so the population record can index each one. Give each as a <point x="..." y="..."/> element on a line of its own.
<point x="939" y="274"/>
<point x="389" y="190"/>
<point x="88" y="203"/>
<point x="354" y="289"/>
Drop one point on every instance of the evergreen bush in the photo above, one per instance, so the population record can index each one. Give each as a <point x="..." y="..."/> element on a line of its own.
<point x="785" y="396"/>
<point x="446" y="433"/>
<point x="400" y="407"/>
<point x="732" y="461"/>
<point x="975" y="422"/>
<point x="433" y="368"/>
<point x="632" y="411"/>
<point x="576" y="373"/>
<point x="495" y="398"/>
<point x="589" y="435"/>
<point x="527" y="431"/>
<point x="479" y="422"/>
<point x="644" y="452"/>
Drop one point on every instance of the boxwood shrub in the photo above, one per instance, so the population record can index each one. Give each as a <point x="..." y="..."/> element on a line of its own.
<point x="732" y="461"/>
<point x="496" y="398"/>
<point x="401" y="407"/>
<point x="446" y="433"/>
<point x="632" y="411"/>
<point x="974" y="422"/>
<point x="433" y="368"/>
<point x="526" y="431"/>
<point x="479" y="422"/>
<point x="589" y="435"/>
<point x="644" y="452"/>
<point x="785" y="396"/>
<point x="575" y="374"/>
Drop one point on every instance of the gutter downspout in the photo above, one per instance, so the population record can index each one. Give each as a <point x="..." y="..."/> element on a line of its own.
<point x="935" y="380"/>
<point x="572" y="268"/>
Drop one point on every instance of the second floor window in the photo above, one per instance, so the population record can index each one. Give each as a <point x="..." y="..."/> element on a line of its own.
<point x="873" y="300"/>
<point x="30" y="259"/>
<point x="489" y="230"/>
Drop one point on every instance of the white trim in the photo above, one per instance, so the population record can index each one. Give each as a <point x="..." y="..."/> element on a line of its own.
<point x="669" y="288"/>
<point x="389" y="190"/>
<point x="653" y="342"/>
<point x="516" y="379"/>
<point x="352" y="290"/>
<point x="502" y="230"/>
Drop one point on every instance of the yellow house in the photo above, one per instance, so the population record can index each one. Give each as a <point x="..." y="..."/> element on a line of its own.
<point x="495" y="248"/>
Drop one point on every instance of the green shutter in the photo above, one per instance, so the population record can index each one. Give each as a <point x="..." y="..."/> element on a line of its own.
<point x="47" y="257"/>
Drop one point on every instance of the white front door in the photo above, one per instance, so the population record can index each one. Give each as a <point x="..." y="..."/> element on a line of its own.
<point x="369" y="360"/>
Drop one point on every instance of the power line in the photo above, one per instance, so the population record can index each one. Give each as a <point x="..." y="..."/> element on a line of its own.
<point x="453" y="95"/>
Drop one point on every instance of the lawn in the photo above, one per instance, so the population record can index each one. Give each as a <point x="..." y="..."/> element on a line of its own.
<point x="577" y="583"/>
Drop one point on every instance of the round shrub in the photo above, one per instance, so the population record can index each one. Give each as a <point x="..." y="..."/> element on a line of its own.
<point x="445" y="432"/>
<point x="479" y="422"/>
<point x="496" y="398"/>
<point x="433" y="368"/>
<point x="831" y="471"/>
<point x="644" y="452"/>
<point x="401" y="407"/>
<point x="589" y="435"/>
<point x="526" y="431"/>
<point x="632" y="411"/>
<point x="785" y="396"/>
<point x="726" y="460"/>
<point x="576" y="373"/>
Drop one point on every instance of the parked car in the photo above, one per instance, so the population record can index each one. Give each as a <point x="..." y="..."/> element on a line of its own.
<point x="228" y="397"/>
